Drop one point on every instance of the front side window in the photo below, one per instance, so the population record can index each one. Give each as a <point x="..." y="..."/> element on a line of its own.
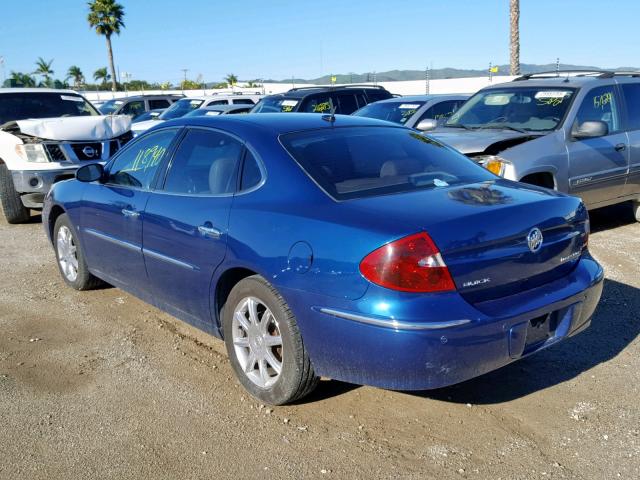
<point x="354" y="162"/>
<point x="134" y="108"/>
<point x="600" y="104"/>
<point x="518" y="108"/>
<point x="20" y="106"/>
<point x="137" y="165"/>
<point x="205" y="163"/>
<point x="276" y="104"/>
<point x="318" y="104"/>
<point x="396" y="112"/>
<point x="442" y="110"/>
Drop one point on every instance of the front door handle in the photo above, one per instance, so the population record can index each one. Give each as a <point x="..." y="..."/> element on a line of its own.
<point x="130" y="213"/>
<point x="209" y="230"/>
<point x="621" y="147"/>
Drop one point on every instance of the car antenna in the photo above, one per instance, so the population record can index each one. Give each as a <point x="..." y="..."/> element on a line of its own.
<point x="332" y="112"/>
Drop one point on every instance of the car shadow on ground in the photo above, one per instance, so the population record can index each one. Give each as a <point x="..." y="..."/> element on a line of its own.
<point x="610" y="217"/>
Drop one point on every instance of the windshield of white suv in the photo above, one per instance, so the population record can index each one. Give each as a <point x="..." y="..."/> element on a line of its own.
<point x="20" y="106"/>
<point x="516" y="108"/>
<point x="396" y="112"/>
<point x="110" y="106"/>
<point x="180" y="108"/>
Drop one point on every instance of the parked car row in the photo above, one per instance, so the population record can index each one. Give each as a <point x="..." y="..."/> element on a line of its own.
<point x="312" y="243"/>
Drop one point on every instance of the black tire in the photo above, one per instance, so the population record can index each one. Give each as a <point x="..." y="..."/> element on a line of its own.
<point x="12" y="207"/>
<point x="297" y="378"/>
<point x="84" y="280"/>
<point x="636" y="209"/>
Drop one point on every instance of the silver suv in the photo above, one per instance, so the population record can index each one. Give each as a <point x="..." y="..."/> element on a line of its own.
<point x="577" y="132"/>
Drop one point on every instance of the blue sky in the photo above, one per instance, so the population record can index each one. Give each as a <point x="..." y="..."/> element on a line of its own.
<point x="281" y="38"/>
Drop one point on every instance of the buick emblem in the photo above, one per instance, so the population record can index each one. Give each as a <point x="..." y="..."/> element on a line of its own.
<point x="534" y="239"/>
<point x="89" y="151"/>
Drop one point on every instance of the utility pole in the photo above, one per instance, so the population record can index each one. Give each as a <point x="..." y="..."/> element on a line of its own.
<point x="2" y="69"/>
<point x="184" y="73"/>
<point x="426" y="80"/>
<point x="558" y="67"/>
<point x="375" y="79"/>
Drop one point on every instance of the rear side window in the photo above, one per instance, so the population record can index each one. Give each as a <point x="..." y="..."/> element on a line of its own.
<point x="251" y="175"/>
<point x="205" y="163"/>
<point x="346" y="103"/>
<point x="242" y="101"/>
<point x="354" y="162"/>
<point x="317" y="104"/>
<point x="158" y="103"/>
<point x="218" y="102"/>
<point x="375" y="95"/>
<point x="600" y="104"/>
<point x="632" y="96"/>
<point x="137" y="165"/>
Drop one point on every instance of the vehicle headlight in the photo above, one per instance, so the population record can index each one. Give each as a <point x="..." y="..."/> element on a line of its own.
<point x="493" y="163"/>
<point x="32" y="152"/>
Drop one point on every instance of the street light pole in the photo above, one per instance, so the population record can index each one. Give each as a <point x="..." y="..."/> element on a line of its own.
<point x="184" y="71"/>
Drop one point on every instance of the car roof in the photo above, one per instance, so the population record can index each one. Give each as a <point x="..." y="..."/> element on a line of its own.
<point x="220" y="95"/>
<point x="279" y="123"/>
<point x="301" y="92"/>
<point x="424" y="98"/>
<point x="156" y="95"/>
<point x="563" y="81"/>
<point x="37" y="90"/>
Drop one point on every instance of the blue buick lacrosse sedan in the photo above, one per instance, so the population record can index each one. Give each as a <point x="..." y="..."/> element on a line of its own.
<point x="332" y="246"/>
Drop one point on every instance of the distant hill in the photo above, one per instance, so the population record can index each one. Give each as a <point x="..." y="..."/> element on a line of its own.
<point x="436" y="73"/>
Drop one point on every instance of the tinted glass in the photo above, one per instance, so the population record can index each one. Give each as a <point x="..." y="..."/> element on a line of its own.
<point x="136" y="165"/>
<point x="442" y="110"/>
<point x="601" y="104"/>
<point x="347" y="104"/>
<point x="276" y="104"/>
<point x="133" y="108"/>
<point x="352" y="162"/>
<point x="535" y="109"/>
<point x="218" y="102"/>
<point x="632" y="96"/>
<point x="18" y="106"/>
<point x="205" y="163"/>
<point x="251" y="174"/>
<point x="180" y="108"/>
<point x="318" y="104"/>
<point x="110" y="106"/>
<point x="378" y="94"/>
<point x="396" y="112"/>
<point x="243" y="101"/>
<point x="158" y="103"/>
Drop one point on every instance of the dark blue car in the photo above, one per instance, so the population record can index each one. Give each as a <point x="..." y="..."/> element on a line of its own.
<point x="342" y="247"/>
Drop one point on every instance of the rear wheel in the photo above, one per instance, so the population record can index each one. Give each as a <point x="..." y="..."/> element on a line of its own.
<point x="264" y="344"/>
<point x="71" y="263"/>
<point x="636" y="208"/>
<point x="12" y="207"/>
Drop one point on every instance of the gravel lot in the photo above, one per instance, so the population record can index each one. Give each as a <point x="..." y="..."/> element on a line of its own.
<point x="100" y="385"/>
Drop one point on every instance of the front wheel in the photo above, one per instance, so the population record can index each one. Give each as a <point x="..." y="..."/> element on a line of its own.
<point x="264" y="344"/>
<point x="636" y="209"/>
<point x="12" y="207"/>
<point x="71" y="263"/>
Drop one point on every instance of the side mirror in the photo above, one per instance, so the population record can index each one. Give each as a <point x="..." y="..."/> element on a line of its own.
<point x="590" y="129"/>
<point x="427" y="124"/>
<point x="90" y="173"/>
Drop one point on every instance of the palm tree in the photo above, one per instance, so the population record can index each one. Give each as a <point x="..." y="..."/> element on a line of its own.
<point x="75" y="73"/>
<point x="20" y="79"/>
<point x="44" y="69"/>
<point x="106" y="17"/>
<point x="514" y="18"/>
<point x="101" y="75"/>
<point x="231" y="79"/>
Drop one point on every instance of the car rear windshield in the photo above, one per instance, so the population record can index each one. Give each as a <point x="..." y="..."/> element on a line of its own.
<point x="180" y="108"/>
<point x="355" y="162"/>
<point x="528" y="109"/>
<point x="275" y="105"/>
<point x="20" y="106"/>
<point x="396" y="112"/>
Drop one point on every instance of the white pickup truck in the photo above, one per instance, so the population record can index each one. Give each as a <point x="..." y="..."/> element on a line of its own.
<point x="45" y="135"/>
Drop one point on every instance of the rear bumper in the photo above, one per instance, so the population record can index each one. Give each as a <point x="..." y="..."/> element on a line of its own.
<point x="441" y="340"/>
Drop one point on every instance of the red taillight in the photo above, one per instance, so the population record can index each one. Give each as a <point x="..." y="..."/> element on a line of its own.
<point x="411" y="264"/>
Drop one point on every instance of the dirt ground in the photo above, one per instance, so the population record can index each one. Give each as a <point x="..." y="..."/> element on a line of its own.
<point x="100" y="385"/>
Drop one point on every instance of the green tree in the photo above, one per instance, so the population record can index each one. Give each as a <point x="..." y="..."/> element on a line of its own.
<point x="19" y="79"/>
<point x="101" y="75"/>
<point x="44" y="68"/>
<point x="75" y="73"/>
<point x="106" y="17"/>
<point x="231" y="79"/>
<point x="514" y="20"/>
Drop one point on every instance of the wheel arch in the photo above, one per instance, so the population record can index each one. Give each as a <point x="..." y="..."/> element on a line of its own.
<point x="56" y="211"/>
<point x="542" y="178"/>
<point x="226" y="281"/>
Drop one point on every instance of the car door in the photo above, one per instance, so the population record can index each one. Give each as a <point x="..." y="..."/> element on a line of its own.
<point x="598" y="166"/>
<point x="185" y="233"/>
<point x="631" y="92"/>
<point x="112" y="213"/>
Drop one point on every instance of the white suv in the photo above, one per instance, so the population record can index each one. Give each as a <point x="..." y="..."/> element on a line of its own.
<point x="45" y="135"/>
<point x="186" y="105"/>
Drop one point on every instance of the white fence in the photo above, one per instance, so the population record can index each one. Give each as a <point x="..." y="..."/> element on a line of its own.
<point x="412" y="87"/>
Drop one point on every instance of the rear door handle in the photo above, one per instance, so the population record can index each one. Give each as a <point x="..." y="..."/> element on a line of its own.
<point x="209" y="230"/>
<point x="621" y="147"/>
<point x="130" y="213"/>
